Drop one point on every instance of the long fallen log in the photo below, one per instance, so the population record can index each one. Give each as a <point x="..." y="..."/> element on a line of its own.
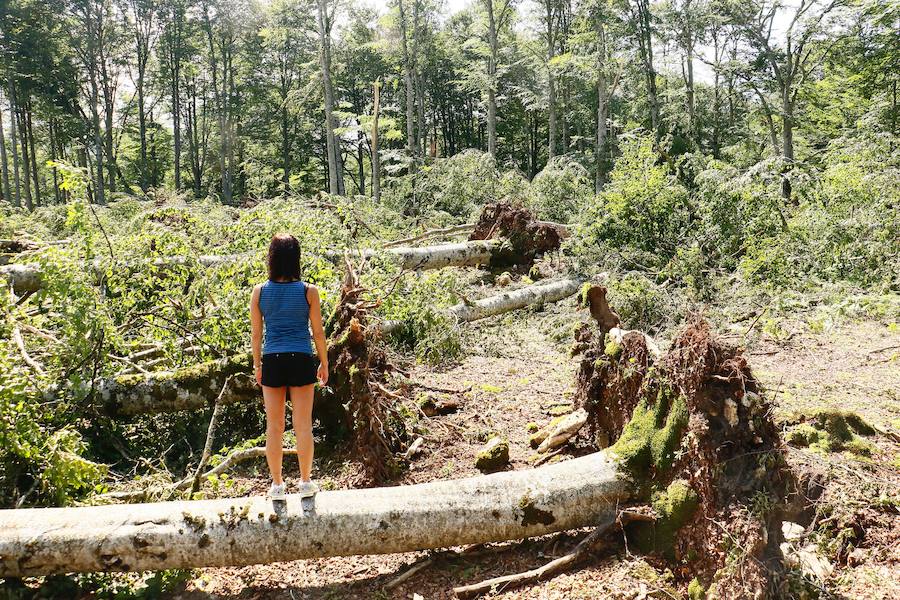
<point x="508" y="301"/>
<point x="244" y="531"/>
<point x="188" y="388"/>
<point x="28" y="277"/>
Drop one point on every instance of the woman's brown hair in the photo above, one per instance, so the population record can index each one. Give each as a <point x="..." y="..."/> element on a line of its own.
<point x="284" y="258"/>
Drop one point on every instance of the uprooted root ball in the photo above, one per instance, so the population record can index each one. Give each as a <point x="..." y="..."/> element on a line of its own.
<point x="695" y="434"/>
<point x="526" y="236"/>
<point x="356" y="399"/>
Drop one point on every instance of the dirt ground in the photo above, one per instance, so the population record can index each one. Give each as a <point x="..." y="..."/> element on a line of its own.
<point x="522" y="375"/>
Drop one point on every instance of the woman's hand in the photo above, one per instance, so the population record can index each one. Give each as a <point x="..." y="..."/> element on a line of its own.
<point x="258" y="370"/>
<point x="322" y="373"/>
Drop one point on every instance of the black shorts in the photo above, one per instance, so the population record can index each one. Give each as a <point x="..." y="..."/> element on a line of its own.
<point x="281" y="369"/>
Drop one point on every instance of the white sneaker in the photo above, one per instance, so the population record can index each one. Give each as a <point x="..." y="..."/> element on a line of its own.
<point x="276" y="492"/>
<point x="307" y="488"/>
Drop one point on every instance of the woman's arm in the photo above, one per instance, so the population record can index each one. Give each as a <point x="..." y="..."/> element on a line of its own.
<point x="256" y="333"/>
<point x="315" y="319"/>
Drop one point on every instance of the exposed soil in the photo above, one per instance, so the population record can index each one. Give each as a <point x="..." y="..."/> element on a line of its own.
<point x="514" y="374"/>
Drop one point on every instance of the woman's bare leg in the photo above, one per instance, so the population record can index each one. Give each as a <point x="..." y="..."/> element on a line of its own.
<point x="273" y="398"/>
<point x="301" y="413"/>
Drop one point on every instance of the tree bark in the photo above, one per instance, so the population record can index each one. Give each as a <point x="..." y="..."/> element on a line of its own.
<point x="243" y="531"/>
<point x="492" y="80"/>
<point x="4" y="164"/>
<point x="27" y="278"/>
<point x="409" y="93"/>
<point x="17" y="199"/>
<point x="335" y="174"/>
<point x="506" y="302"/>
<point x="29" y="129"/>
<point x="376" y="157"/>
<point x="501" y="303"/>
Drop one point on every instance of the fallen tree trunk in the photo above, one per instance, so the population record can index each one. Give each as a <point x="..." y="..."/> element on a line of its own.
<point x="188" y="388"/>
<point x="27" y="277"/>
<point x="244" y="531"/>
<point x="501" y="303"/>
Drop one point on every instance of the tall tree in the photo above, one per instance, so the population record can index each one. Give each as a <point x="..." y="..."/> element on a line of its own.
<point x="642" y="23"/>
<point x="326" y="10"/>
<point x="173" y="49"/>
<point x="789" y="62"/>
<point x="497" y="18"/>
<point x="141" y="20"/>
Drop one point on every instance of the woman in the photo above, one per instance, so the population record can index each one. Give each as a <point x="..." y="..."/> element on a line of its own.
<point x="284" y="361"/>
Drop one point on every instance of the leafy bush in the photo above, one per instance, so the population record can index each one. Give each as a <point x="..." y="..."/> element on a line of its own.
<point x="560" y="190"/>
<point x="641" y="217"/>
<point x="418" y="305"/>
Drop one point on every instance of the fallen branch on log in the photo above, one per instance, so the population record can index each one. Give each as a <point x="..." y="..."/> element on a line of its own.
<point x="244" y="531"/>
<point x="231" y="460"/>
<point x="508" y="301"/>
<point x="432" y="233"/>
<point x="564" y="430"/>
<point x="20" y="343"/>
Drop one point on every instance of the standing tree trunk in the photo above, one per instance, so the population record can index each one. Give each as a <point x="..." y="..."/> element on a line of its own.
<point x="335" y="174"/>
<point x="550" y="16"/>
<point x="421" y="129"/>
<point x="600" y="142"/>
<point x="14" y="140"/>
<point x="412" y="144"/>
<point x="645" y="44"/>
<point x="29" y="128"/>
<point x="492" y="80"/>
<point x="54" y="134"/>
<point x="4" y="164"/>
<point x="19" y="127"/>
<point x="376" y="157"/>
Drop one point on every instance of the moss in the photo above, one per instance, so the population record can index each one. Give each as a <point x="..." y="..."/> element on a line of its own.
<point x="648" y="443"/>
<point x="803" y="435"/>
<point x="532" y="427"/>
<point x="695" y="590"/>
<point x="493" y="456"/>
<point x="832" y="431"/>
<point x="674" y="508"/>
<point x="583" y="294"/>
<point x="559" y="410"/>
<point x="534" y="273"/>
<point x="612" y="347"/>
<point x="859" y="447"/>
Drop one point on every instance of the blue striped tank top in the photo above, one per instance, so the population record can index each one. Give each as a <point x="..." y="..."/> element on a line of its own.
<point x="285" y="311"/>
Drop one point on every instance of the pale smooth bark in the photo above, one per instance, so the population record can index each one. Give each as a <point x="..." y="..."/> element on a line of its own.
<point x="506" y="302"/>
<point x="411" y="140"/>
<point x="27" y="278"/>
<point x="501" y="303"/>
<point x="332" y="147"/>
<point x="243" y="531"/>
